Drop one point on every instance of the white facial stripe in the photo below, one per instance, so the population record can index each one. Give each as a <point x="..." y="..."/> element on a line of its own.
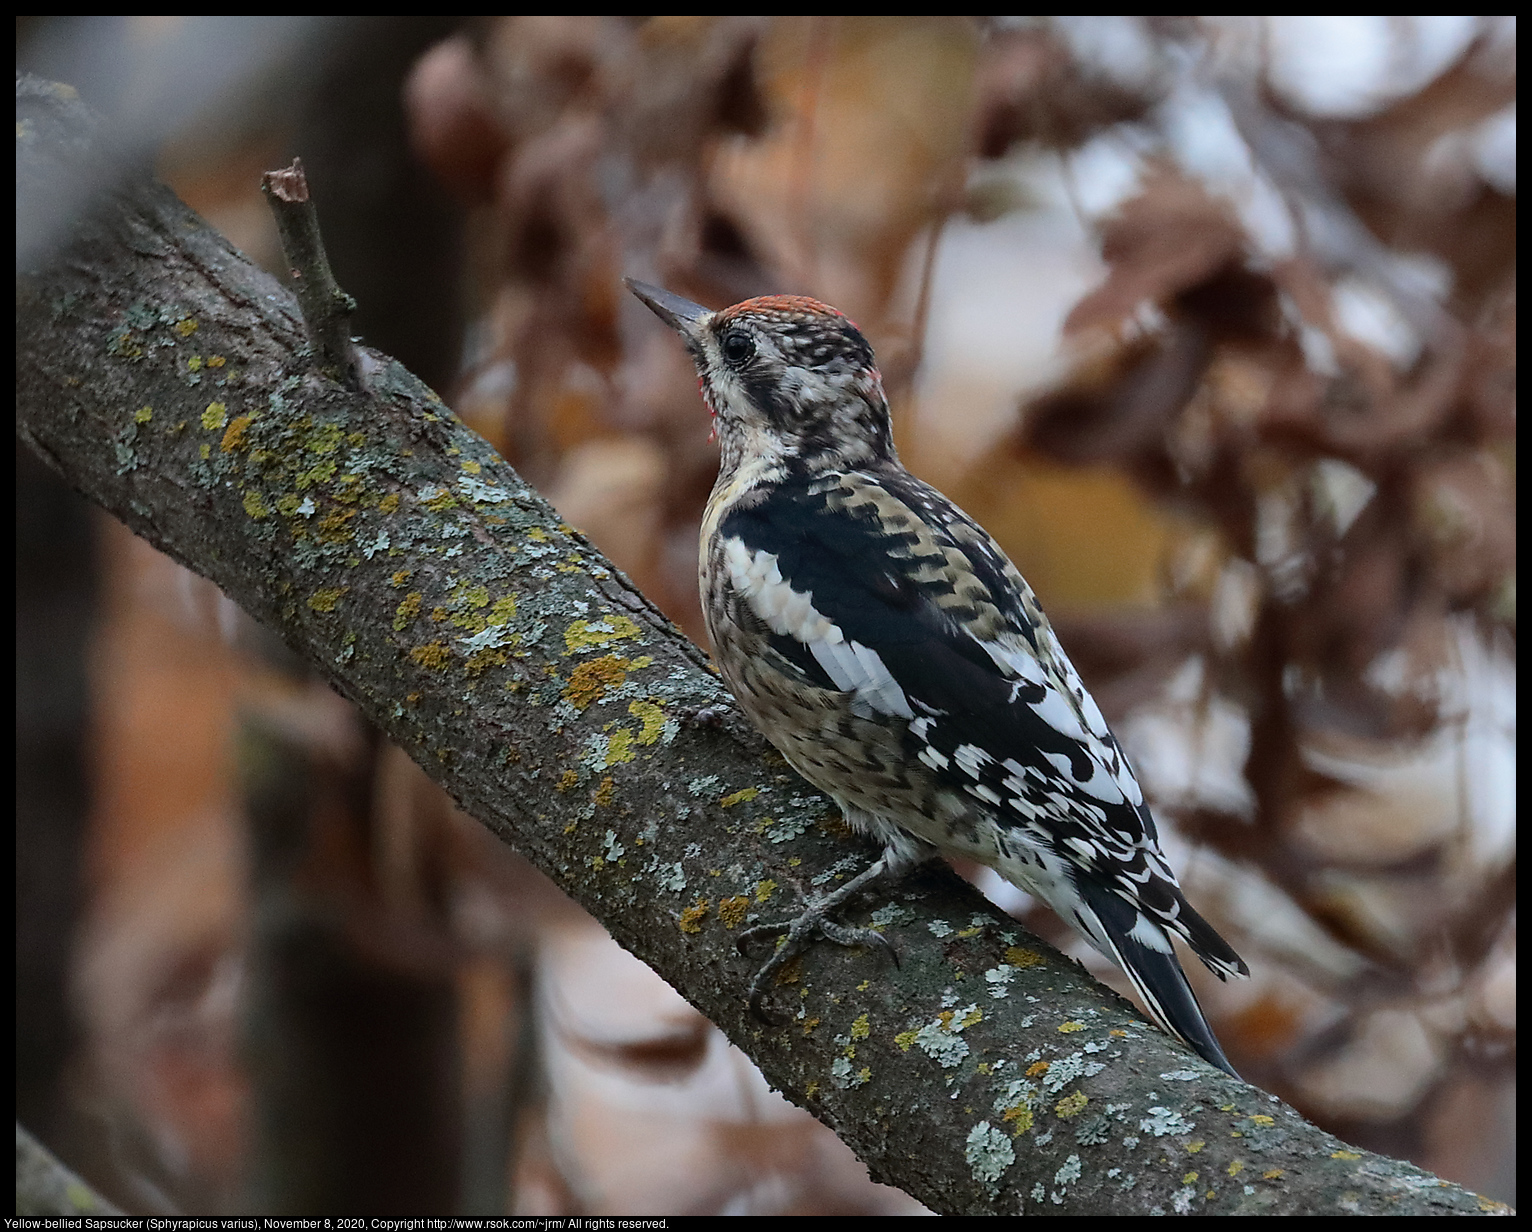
<point x="853" y="667"/>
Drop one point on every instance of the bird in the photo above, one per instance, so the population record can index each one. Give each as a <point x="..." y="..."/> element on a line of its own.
<point x="887" y="646"/>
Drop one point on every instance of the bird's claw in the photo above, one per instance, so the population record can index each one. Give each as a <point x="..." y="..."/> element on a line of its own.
<point x="797" y="936"/>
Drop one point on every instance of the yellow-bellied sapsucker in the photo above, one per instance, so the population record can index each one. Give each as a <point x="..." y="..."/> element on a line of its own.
<point x="893" y="654"/>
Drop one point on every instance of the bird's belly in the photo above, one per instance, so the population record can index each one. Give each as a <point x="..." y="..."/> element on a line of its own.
<point x="865" y="764"/>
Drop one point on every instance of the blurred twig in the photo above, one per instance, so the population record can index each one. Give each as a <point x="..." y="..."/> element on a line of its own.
<point x="396" y="552"/>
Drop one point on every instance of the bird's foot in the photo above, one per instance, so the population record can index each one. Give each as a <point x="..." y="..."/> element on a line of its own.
<point x="797" y="935"/>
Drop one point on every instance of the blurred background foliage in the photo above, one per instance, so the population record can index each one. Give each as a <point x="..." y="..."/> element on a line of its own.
<point x="1210" y="320"/>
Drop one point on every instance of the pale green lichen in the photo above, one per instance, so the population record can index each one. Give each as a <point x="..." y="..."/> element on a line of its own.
<point x="843" y="1077"/>
<point x="999" y="979"/>
<point x="988" y="1153"/>
<point x="1164" y="1121"/>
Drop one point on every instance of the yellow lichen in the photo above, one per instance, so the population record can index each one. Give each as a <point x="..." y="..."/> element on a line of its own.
<point x="742" y="796"/>
<point x="325" y="599"/>
<point x="215" y="416"/>
<point x="652" y="718"/>
<point x="732" y="911"/>
<point x="691" y="919"/>
<point x="480" y="661"/>
<point x="334" y="528"/>
<point x="472" y="467"/>
<point x="216" y="361"/>
<point x="326" y="438"/>
<point x="143" y="415"/>
<point x="860" y="1027"/>
<point x="255" y="507"/>
<point x="1016" y="956"/>
<point x="408" y="609"/>
<point x="591" y="679"/>
<point x="1020" y="1117"/>
<point x="566" y="780"/>
<point x="234" y="437"/>
<point x="1037" y="1069"/>
<point x="1235" y="1168"/>
<point x="1069" y="1028"/>
<point x="186" y="326"/>
<point x="433" y="655"/>
<point x="1345" y="1155"/>
<point x="619" y="746"/>
<point x="904" y="1039"/>
<point x="606" y="792"/>
<point x="401" y="577"/>
<point x="389" y="503"/>
<point x="589" y="635"/>
<point x="1071" y="1106"/>
<point x="764" y="889"/>
<point x="322" y="473"/>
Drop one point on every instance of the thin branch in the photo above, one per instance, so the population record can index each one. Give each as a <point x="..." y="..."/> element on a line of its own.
<point x="165" y="377"/>
<point x="326" y="308"/>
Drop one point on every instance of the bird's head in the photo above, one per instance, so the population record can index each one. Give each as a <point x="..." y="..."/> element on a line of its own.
<point x="787" y="379"/>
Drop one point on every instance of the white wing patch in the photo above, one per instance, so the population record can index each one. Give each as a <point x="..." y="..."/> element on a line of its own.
<point x="1150" y="935"/>
<point x="853" y="667"/>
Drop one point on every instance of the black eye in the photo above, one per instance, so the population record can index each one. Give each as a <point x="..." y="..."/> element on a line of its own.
<point x="738" y="349"/>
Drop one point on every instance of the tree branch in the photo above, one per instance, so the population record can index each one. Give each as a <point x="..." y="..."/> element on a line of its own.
<point x="168" y="379"/>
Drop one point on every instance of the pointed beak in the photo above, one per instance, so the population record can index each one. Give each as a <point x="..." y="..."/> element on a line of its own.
<point x="681" y="315"/>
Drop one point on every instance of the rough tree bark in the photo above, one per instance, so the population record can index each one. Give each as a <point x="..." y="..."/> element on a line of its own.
<point x="169" y="380"/>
